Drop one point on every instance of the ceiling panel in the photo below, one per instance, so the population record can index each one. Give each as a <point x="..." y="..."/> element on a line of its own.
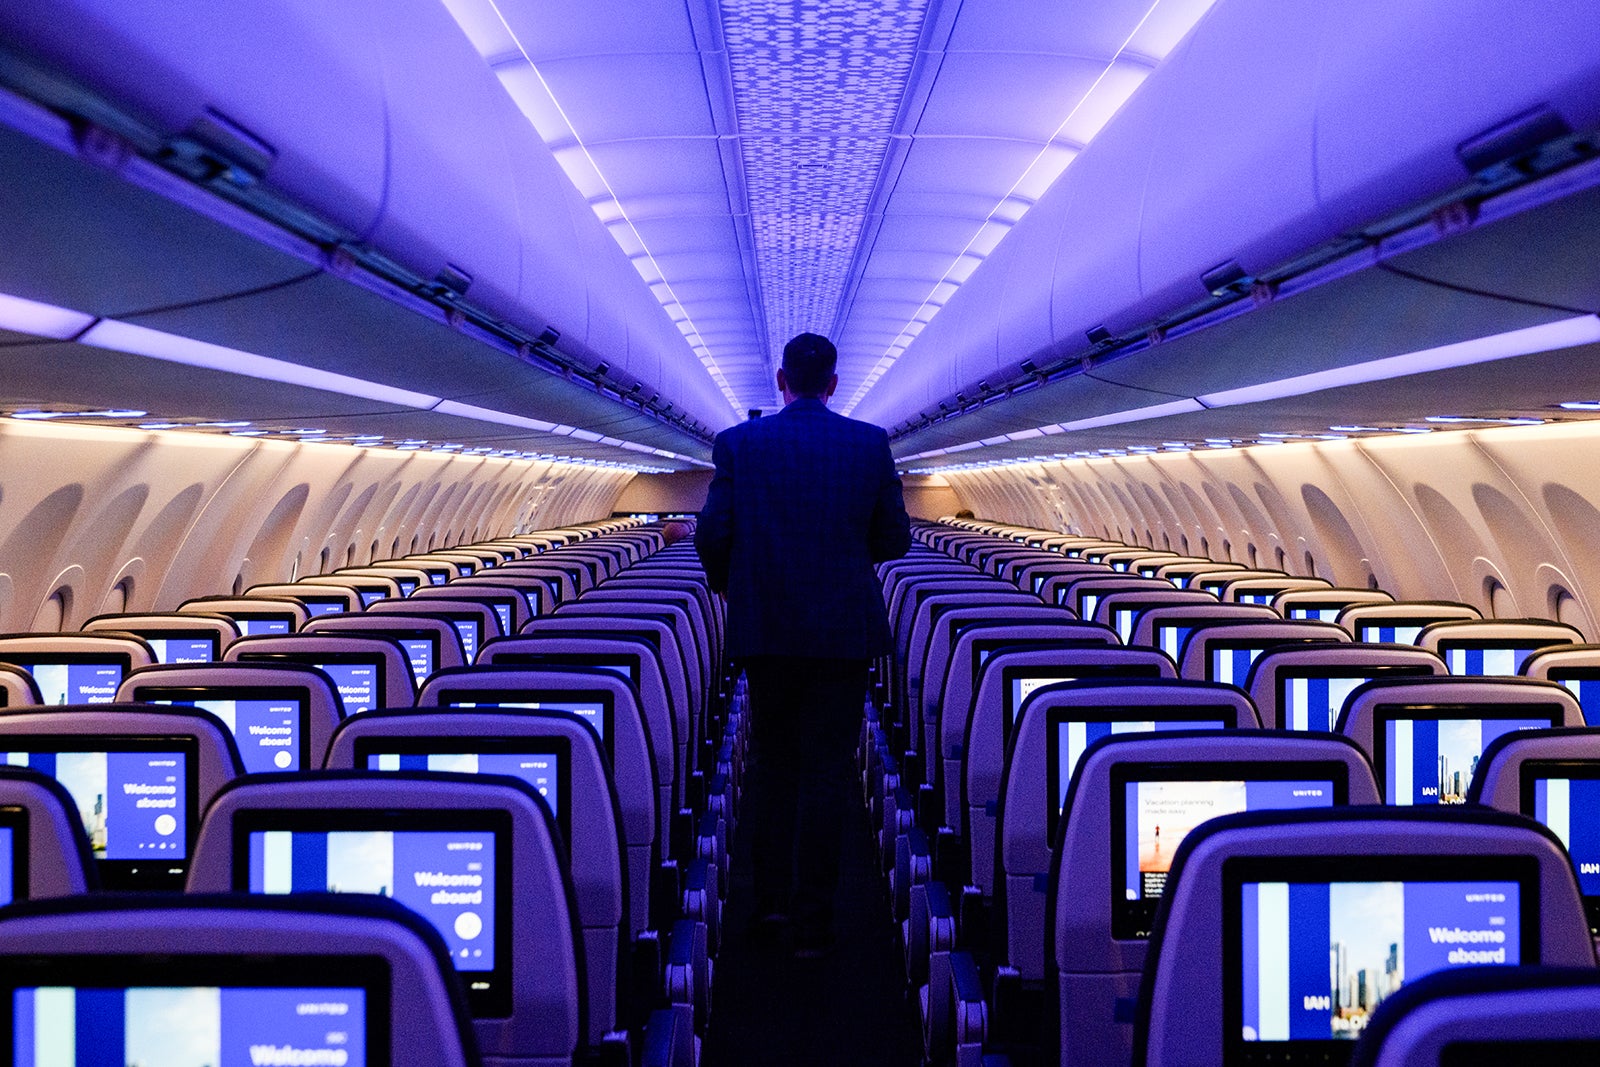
<point x="618" y="97"/>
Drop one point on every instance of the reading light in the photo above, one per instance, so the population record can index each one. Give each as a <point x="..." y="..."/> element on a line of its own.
<point x="1581" y="405"/>
<point x="109" y="414"/>
<point x="220" y="425"/>
<point x="1489" y="421"/>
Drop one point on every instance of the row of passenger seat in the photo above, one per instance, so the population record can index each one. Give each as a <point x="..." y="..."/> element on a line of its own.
<point x="1062" y="718"/>
<point x="555" y="805"/>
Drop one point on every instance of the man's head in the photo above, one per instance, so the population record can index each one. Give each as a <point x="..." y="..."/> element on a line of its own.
<point x="808" y="368"/>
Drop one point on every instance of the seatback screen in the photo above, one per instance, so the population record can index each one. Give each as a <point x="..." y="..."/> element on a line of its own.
<point x="62" y="1026"/>
<point x="1394" y="631"/>
<point x="544" y="763"/>
<point x="322" y="605"/>
<point x="358" y="677"/>
<point x="254" y="624"/>
<point x="1428" y="755"/>
<point x="1311" y="697"/>
<point x="135" y="797"/>
<point x="1583" y="683"/>
<point x="1312" y="947"/>
<point x="13" y="854"/>
<point x="208" y="1011"/>
<point x="594" y="707"/>
<point x="176" y="646"/>
<point x="1155" y="805"/>
<point x="73" y="677"/>
<point x="1021" y="682"/>
<point x="450" y="867"/>
<point x="1488" y="657"/>
<point x="270" y="724"/>
<point x="1071" y="730"/>
<point x="1564" y="795"/>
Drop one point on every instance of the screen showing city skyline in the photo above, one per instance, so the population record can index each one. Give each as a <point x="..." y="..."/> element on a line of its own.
<point x="1431" y="760"/>
<point x="1318" y="958"/>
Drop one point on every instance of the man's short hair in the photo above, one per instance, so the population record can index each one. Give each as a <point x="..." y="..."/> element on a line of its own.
<point x="808" y="362"/>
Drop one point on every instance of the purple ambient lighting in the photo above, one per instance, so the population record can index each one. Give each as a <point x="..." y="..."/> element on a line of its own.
<point x="41" y="320"/>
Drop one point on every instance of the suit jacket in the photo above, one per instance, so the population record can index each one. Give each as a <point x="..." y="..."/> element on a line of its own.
<point x="803" y="503"/>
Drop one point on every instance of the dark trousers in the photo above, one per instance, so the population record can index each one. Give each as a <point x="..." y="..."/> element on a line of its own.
<point x="805" y="722"/>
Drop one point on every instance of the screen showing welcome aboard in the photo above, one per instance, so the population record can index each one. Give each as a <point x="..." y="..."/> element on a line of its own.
<point x="1315" y="958"/>
<point x="450" y="877"/>
<point x="64" y="1026"/>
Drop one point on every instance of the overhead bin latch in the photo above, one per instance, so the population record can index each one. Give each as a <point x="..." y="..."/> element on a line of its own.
<point x="1227" y="279"/>
<point x="1514" y="142"/>
<point x="215" y="148"/>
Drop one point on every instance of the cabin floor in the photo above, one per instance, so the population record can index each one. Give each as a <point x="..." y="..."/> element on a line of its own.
<point x="846" y="1009"/>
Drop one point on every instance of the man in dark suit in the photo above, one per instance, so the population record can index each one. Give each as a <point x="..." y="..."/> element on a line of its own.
<point x="803" y="503"/>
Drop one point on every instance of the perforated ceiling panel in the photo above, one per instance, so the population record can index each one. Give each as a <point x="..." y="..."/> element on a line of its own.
<point x="817" y="89"/>
<point x="840" y="166"/>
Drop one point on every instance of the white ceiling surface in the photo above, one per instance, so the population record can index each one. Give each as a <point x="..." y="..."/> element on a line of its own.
<point x="841" y="166"/>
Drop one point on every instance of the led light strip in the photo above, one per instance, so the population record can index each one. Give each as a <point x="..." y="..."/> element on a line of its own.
<point x="898" y="347"/>
<point x="1547" y="337"/>
<point x="692" y="335"/>
<point x="62" y="324"/>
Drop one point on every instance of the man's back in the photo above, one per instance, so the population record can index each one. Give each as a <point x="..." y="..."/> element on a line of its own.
<point x="804" y="502"/>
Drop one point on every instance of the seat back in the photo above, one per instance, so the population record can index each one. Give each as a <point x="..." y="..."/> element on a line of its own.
<point x="253" y="614"/>
<point x="684" y="613"/>
<point x="535" y="594"/>
<point x="1505" y="1015"/>
<point x="429" y="644"/>
<point x="1132" y="802"/>
<point x="1425" y="735"/>
<point x="1298" y="687"/>
<point x="1400" y="622"/>
<point x="139" y="776"/>
<point x="510" y="605"/>
<point x="1181" y="574"/>
<point x="1493" y="646"/>
<point x="281" y="715"/>
<point x="76" y="668"/>
<point x="1282" y="927"/>
<point x="368" y="587"/>
<point x="174" y="637"/>
<point x="318" y="599"/>
<point x="560" y="760"/>
<point x="440" y="571"/>
<point x="1553" y="777"/>
<point x="324" y="979"/>
<point x="1168" y="628"/>
<point x="1151" y="567"/>
<point x="656" y="636"/>
<point x="474" y="622"/>
<point x="1575" y="666"/>
<point x="1121" y="611"/>
<point x="439" y="844"/>
<point x="1225" y="651"/>
<point x="656" y="620"/>
<point x="44" y="851"/>
<point x="367" y="672"/>
<point x="1217" y="580"/>
<point x="17" y="688"/>
<point x="407" y="579"/>
<point x="608" y="705"/>
<point x="629" y="656"/>
<point x="1058" y="723"/>
<point x="1083" y="595"/>
<point x="1324" y="604"/>
<point x="1010" y="675"/>
<point x="563" y="587"/>
<point x="1267" y="590"/>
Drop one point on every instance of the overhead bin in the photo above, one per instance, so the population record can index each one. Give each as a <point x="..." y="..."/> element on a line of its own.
<point x="1232" y="176"/>
<point x="332" y="99"/>
<point x="1274" y="129"/>
<point x="1401" y="86"/>
<point x="297" y="80"/>
<point x="451" y="203"/>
